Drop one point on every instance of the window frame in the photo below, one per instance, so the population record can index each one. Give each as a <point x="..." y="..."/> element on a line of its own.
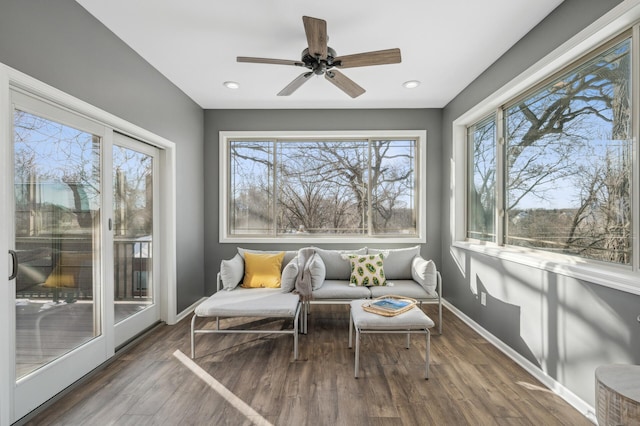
<point x="225" y="138"/>
<point x="583" y="46"/>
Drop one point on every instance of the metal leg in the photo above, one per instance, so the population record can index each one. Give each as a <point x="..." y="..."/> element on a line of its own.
<point x="300" y="319"/>
<point x="357" y="351"/>
<point x="193" y="336"/>
<point x="426" y="373"/>
<point x="408" y="340"/>
<point x="296" y="322"/>
<point x="350" y="329"/>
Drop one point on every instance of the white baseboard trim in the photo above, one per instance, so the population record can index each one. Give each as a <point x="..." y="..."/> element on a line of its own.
<point x="575" y="401"/>
<point x="182" y="315"/>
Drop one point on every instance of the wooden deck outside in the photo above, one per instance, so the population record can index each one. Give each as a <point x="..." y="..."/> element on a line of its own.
<point x="46" y="331"/>
<point x="252" y="379"/>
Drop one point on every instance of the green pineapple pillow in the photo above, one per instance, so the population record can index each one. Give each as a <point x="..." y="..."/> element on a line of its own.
<point x="366" y="269"/>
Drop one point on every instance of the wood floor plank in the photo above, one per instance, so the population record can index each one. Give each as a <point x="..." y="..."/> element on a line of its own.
<point x="134" y="420"/>
<point x="471" y="382"/>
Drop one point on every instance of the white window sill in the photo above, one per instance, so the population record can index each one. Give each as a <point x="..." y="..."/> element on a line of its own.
<point x="617" y="277"/>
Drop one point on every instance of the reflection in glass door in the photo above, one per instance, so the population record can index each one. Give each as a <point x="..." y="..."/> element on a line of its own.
<point x="57" y="239"/>
<point x="133" y="237"/>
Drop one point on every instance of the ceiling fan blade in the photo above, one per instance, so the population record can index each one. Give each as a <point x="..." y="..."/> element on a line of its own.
<point x="269" y="61"/>
<point x="379" y="57"/>
<point x="316" y="31"/>
<point x="344" y="83"/>
<point x="295" y="84"/>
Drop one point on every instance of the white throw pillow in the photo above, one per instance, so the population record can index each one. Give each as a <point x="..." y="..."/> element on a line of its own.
<point x="425" y="273"/>
<point x="318" y="272"/>
<point x="289" y="275"/>
<point x="232" y="272"/>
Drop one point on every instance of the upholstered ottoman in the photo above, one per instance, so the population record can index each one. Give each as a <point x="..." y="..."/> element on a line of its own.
<point x="412" y="321"/>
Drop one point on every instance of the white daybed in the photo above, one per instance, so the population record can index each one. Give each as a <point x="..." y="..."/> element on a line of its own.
<point x="248" y="302"/>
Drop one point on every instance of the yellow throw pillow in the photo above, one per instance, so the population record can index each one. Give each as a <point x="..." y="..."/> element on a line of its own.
<point x="262" y="270"/>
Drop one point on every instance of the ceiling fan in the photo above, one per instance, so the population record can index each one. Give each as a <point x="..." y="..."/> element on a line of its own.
<point x="320" y="59"/>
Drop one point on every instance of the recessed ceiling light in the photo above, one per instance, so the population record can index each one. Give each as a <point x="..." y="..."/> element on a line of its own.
<point x="231" y="85"/>
<point x="411" y="84"/>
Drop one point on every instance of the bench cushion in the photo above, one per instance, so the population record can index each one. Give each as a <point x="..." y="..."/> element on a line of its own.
<point x="249" y="302"/>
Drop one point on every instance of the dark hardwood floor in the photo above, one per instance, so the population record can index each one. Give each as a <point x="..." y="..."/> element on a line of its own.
<point x="252" y="379"/>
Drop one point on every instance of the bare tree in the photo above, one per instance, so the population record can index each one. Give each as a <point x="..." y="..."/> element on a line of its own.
<point x="327" y="186"/>
<point x="551" y="138"/>
<point x="47" y="152"/>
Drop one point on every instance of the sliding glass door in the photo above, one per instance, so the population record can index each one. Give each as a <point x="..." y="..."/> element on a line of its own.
<point x="84" y="246"/>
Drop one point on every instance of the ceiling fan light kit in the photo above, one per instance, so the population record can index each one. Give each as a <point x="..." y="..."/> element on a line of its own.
<point x="321" y="59"/>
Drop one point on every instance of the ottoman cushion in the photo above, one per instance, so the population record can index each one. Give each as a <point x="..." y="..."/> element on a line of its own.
<point x="413" y="319"/>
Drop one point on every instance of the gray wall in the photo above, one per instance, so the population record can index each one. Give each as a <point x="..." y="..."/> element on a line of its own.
<point x="566" y="326"/>
<point x="60" y="43"/>
<point x="287" y="120"/>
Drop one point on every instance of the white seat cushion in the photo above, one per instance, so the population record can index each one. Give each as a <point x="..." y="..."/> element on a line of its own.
<point x="405" y="288"/>
<point x="413" y="319"/>
<point x="249" y="302"/>
<point x="340" y="289"/>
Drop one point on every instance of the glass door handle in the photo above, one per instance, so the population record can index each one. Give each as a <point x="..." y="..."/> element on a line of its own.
<point x="14" y="259"/>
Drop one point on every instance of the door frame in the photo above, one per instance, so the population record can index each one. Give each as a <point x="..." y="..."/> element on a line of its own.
<point x="11" y="78"/>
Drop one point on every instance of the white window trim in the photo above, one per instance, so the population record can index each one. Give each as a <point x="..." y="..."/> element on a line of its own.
<point x="419" y="135"/>
<point x="620" y="277"/>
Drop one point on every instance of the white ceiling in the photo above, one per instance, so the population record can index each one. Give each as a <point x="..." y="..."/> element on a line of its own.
<point x="445" y="44"/>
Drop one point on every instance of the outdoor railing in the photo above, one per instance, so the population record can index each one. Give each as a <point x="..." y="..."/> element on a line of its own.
<point x="57" y="268"/>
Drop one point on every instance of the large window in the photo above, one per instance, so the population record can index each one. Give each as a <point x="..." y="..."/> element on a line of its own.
<point x="322" y="186"/>
<point x="565" y="175"/>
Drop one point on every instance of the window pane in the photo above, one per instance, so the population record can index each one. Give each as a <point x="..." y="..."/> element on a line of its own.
<point x="251" y="183"/>
<point x="322" y="187"/>
<point x="132" y="231"/>
<point x="57" y="230"/>
<point x="393" y="189"/>
<point x="568" y="159"/>
<point x="481" y="187"/>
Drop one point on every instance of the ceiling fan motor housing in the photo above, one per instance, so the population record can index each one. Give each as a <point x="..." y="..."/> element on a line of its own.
<point x="318" y="65"/>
